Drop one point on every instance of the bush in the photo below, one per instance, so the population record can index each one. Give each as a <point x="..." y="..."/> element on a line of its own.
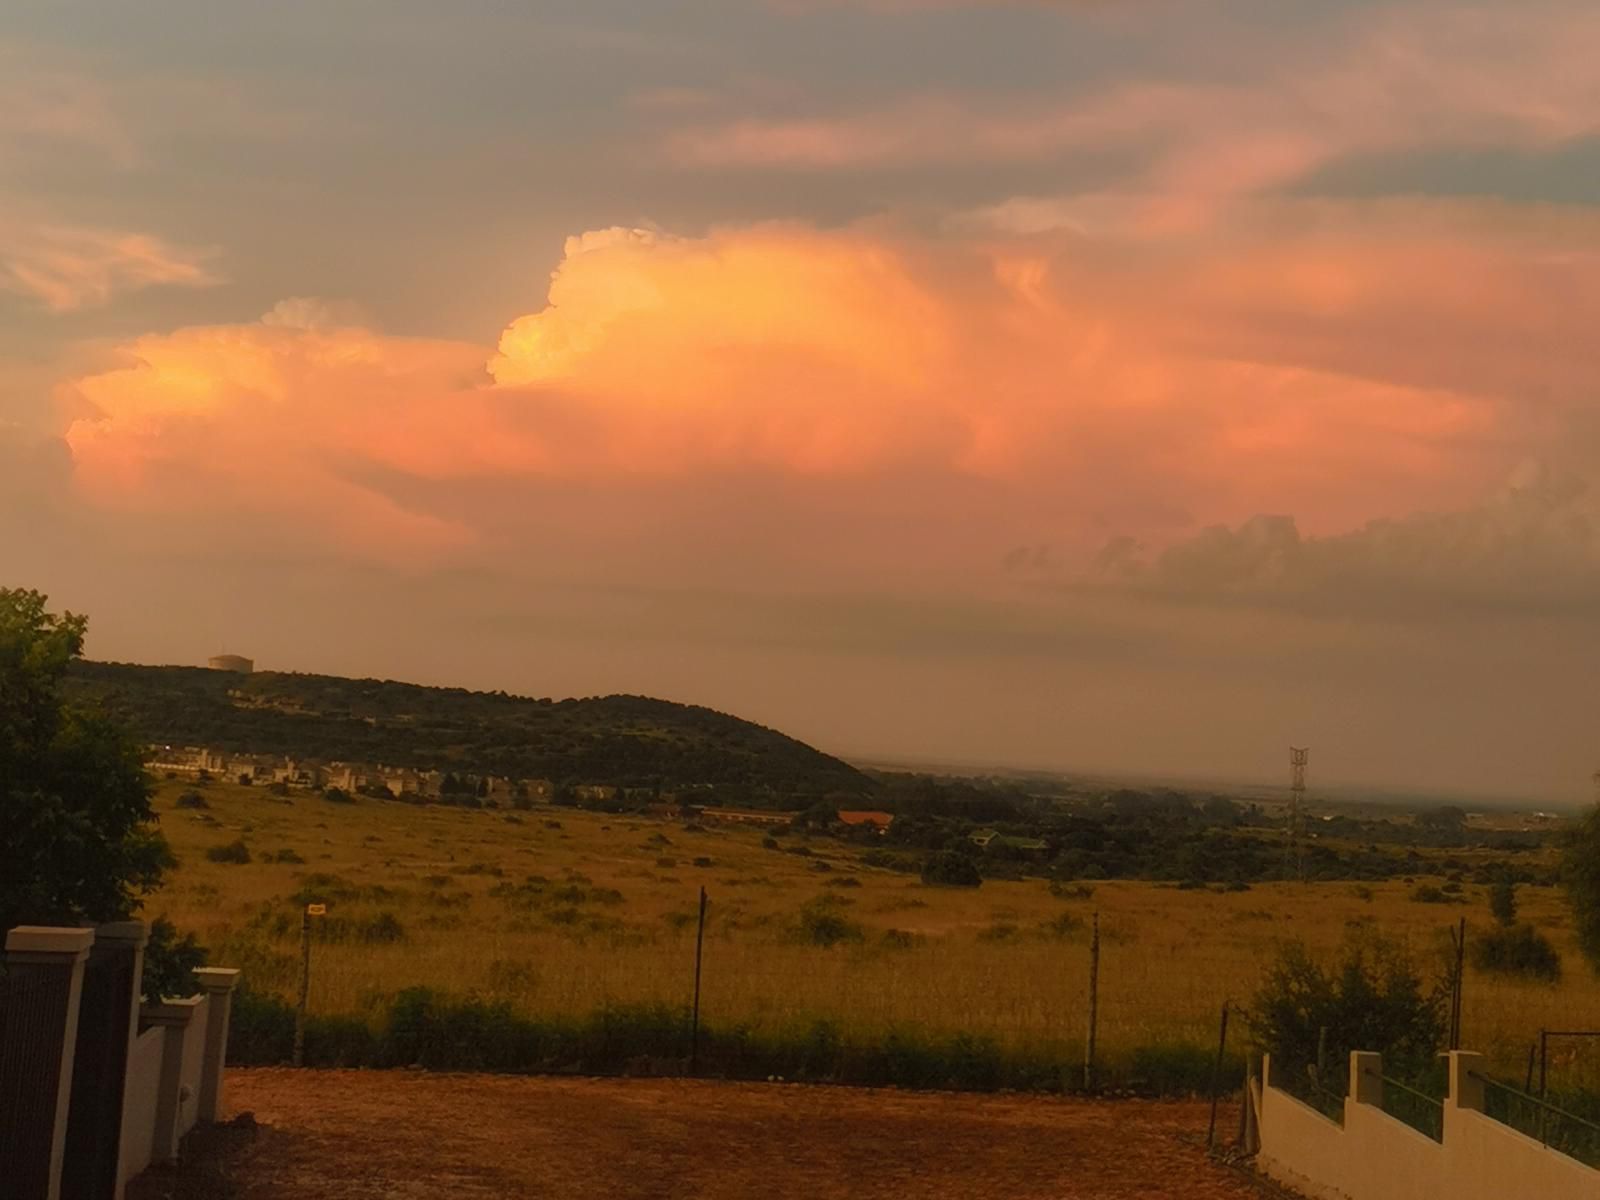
<point x="288" y="856"/>
<point x="234" y="852"/>
<point x="1503" y="901"/>
<point x="1372" y="998"/>
<point x="336" y="795"/>
<point x="1519" y="950"/>
<point x="1428" y="894"/>
<point x="1180" y="1068"/>
<point x="169" y="961"/>
<point x="822" y="924"/>
<point x="948" y="868"/>
<point x="192" y="800"/>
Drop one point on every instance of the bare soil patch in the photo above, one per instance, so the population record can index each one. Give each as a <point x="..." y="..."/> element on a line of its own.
<point x="356" y="1135"/>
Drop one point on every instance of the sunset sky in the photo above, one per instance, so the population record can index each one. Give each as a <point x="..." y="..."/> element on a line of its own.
<point x="1120" y="385"/>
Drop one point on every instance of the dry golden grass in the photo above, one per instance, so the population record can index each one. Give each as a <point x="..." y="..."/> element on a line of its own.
<point x="1000" y="960"/>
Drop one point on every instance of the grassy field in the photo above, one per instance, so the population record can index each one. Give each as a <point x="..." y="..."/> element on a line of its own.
<point x="560" y="912"/>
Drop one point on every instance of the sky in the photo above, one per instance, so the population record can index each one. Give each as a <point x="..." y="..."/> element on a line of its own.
<point x="1111" y="385"/>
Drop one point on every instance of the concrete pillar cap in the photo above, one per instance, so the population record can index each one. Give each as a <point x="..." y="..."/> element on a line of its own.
<point x="136" y="932"/>
<point x="48" y="939"/>
<point x="172" y="1011"/>
<point x="217" y="979"/>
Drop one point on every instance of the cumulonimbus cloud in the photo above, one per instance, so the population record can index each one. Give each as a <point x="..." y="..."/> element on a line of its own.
<point x="995" y="387"/>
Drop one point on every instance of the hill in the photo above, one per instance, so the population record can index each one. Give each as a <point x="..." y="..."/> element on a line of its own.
<point x="629" y="741"/>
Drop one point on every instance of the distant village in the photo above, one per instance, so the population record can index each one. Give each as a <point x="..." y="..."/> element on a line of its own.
<point x="448" y="787"/>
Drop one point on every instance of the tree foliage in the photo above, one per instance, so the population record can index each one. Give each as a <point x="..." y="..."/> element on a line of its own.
<point x="1371" y="998"/>
<point x="1581" y="874"/>
<point x="77" y="835"/>
<point x="950" y="868"/>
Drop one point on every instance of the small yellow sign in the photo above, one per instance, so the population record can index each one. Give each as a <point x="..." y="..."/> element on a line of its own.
<point x="316" y="910"/>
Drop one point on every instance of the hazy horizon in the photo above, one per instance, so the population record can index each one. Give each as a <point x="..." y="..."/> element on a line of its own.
<point x="1043" y="383"/>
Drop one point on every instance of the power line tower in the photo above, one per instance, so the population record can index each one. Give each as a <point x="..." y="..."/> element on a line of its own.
<point x="1298" y="758"/>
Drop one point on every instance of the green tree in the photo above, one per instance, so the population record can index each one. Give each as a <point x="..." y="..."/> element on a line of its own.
<point x="1581" y="874"/>
<point x="77" y="834"/>
<point x="1370" y="998"/>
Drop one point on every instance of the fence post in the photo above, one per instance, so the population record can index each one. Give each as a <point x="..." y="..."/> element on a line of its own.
<point x="1460" y="940"/>
<point x="694" y="1020"/>
<point x="1216" y="1079"/>
<point x="1094" y="1006"/>
<point x="44" y="987"/>
<point x="218" y="984"/>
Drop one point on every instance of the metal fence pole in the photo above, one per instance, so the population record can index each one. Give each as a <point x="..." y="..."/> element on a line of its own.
<point x="699" y="954"/>
<point x="305" y="989"/>
<point x="1455" y="1000"/>
<point x="1544" y="1065"/>
<point x="1094" y="1006"/>
<point x="1216" y="1079"/>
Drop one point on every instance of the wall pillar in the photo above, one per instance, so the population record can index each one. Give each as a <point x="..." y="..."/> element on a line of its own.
<point x="1466" y="1088"/>
<point x="108" y="1020"/>
<point x="44" y="985"/>
<point x="173" y="1017"/>
<point x="1366" y="1082"/>
<point x="218" y="984"/>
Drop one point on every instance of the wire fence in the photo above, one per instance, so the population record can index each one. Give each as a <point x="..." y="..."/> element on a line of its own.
<point x="1574" y="1134"/>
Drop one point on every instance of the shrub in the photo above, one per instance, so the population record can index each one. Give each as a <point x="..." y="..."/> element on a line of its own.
<point x="948" y="868"/>
<point x="999" y="931"/>
<point x="381" y="929"/>
<point x="1428" y="894"/>
<point x="1064" y="925"/>
<point x="234" y="852"/>
<point x="288" y="856"/>
<point x="1503" y="901"/>
<point x="900" y="939"/>
<point x="192" y="800"/>
<point x="1179" y="1068"/>
<point x="1372" y="998"/>
<point x="336" y="795"/>
<point x="769" y="843"/>
<point x="1519" y="950"/>
<point x="820" y="923"/>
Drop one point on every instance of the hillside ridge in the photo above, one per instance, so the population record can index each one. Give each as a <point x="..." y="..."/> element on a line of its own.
<point x="624" y="740"/>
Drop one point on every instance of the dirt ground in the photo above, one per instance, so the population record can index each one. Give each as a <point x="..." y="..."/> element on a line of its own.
<point x="348" y="1135"/>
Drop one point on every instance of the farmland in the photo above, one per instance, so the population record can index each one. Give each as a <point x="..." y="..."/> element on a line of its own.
<point x="558" y="912"/>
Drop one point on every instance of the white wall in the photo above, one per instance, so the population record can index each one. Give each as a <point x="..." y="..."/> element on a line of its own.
<point x="139" y="1108"/>
<point x="194" y="1065"/>
<point x="1372" y="1156"/>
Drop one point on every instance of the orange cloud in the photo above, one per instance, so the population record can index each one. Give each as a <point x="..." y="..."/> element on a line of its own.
<point x="859" y="387"/>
